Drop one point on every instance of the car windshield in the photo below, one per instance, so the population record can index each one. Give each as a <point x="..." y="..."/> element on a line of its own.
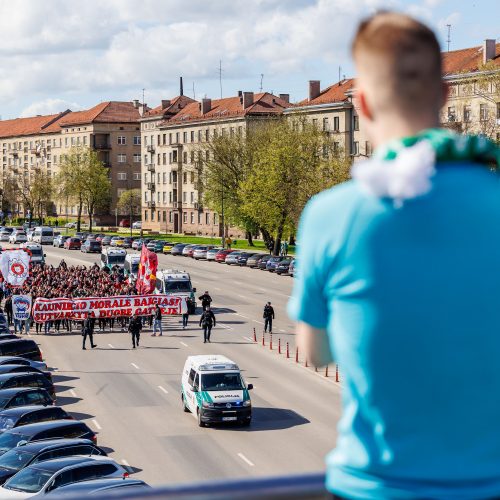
<point x="29" y="480"/>
<point x="221" y="382"/>
<point x="178" y="286"/>
<point x="116" y="259"/>
<point x="47" y="232"/>
<point x="6" y="423"/>
<point x="134" y="268"/>
<point x="9" y="440"/>
<point x="3" y="402"/>
<point x="15" y="459"/>
<point x="36" y="251"/>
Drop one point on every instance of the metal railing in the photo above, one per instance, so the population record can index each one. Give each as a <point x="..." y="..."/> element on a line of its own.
<point x="300" y="487"/>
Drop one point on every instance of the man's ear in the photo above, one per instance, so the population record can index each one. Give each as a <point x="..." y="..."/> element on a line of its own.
<point x="364" y="108"/>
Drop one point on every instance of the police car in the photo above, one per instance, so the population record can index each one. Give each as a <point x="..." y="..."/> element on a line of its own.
<point x="113" y="257"/>
<point x="178" y="283"/>
<point x="36" y="250"/>
<point x="214" y="391"/>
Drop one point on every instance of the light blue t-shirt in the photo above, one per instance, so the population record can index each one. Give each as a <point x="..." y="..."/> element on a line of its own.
<point x="410" y="298"/>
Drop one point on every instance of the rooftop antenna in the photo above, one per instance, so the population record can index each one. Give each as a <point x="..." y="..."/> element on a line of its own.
<point x="143" y="101"/>
<point x="181" y="89"/>
<point x="340" y="69"/>
<point x="194" y="93"/>
<point x="261" y="80"/>
<point x="449" y="36"/>
<point x="219" y="70"/>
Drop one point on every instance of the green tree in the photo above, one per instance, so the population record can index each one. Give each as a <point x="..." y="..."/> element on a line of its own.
<point x="97" y="192"/>
<point x="130" y="202"/>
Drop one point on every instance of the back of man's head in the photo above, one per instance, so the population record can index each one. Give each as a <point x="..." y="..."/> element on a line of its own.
<point x="398" y="62"/>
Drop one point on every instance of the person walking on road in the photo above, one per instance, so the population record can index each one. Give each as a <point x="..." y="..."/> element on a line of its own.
<point x="206" y="300"/>
<point x="88" y="331"/>
<point x="8" y="309"/>
<point x="185" y="316"/>
<point x="135" y="327"/>
<point x="157" y="322"/>
<point x="207" y="321"/>
<point x="268" y="317"/>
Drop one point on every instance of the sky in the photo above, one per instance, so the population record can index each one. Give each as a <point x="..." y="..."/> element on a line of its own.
<point x="60" y="54"/>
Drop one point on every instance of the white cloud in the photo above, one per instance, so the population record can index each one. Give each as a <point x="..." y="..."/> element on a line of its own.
<point x="49" y="106"/>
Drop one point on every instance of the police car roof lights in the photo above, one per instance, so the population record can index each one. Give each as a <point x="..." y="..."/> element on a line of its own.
<point x="213" y="363"/>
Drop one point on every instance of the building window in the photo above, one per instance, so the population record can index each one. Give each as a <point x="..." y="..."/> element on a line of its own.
<point x="164" y="177"/>
<point x="483" y="112"/>
<point x="452" y="114"/>
<point x="164" y="139"/>
<point x="164" y="158"/>
<point x="170" y="198"/>
<point x="207" y="135"/>
<point x="325" y="151"/>
<point x="199" y="135"/>
<point x="145" y="215"/>
<point x="355" y="151"/>
<point x="170" y="138"/>
<point x="122" y="140"/>
<point x="192" y="135"/>
<point x="122" y="158"/>
<point x="137" y="140"/>
<point x="336" y="123"/>
<point x="192" y="217"/>
<point x="152" y="215"/>
<point x="325" y="124"/>
<point x="137" y="176"/>
<point x="164" y="216"/>
<point x="185" y="157"/>
<point x="368" y="148"/>
<point x="177" y="137"/>
<point x="192" y="177"/>
<point x="315" y="122"/>
<point x="355" y="122"/>
<point x="137" y="157"/>
<point x="84" y="140"/>
<point x="184" y="197"/>
<point x="170" y="217"/>
<point x="174" y="155"/>
<point x="121" y="176"/>
<point x="467" y="113"/>
<point x="185" y="137"/>
<point x="119" y="192"/>
<point x="207" y="218"/>
<point x="498" y="110"/>
<point x="184" y="178"/>
<point x="216" y="219"/>
<point x="184" y="217"/>
<point x="192" y="197"/>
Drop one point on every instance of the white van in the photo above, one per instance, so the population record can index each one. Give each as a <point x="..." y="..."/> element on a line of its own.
<point x="131" y="266"/>
<point x="178" y="283"/>
<point x="113" y="257"/>
<point x="214" y="391"/>
<point x="43" y="235"/>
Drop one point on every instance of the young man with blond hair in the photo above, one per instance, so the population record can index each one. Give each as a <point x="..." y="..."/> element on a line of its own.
<point x="400" y="282"/>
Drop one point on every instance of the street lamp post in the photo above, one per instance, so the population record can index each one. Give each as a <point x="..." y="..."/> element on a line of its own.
<point x="222" y="216"/>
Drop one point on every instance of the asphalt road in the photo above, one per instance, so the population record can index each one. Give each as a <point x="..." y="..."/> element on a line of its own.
<point x="132" y="397"/>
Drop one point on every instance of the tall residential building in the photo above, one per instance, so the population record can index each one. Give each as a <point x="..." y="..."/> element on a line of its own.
<point x="110" y="128"/>
<point x="170" y="142"/>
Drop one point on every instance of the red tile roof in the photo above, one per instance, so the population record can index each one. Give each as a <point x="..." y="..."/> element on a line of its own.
<point x="332" y="94"/>
<point x="105" y="112"/>
<point x="31" y="126"/>
<point x="230" y="107"/>
<point x="467" y="60"/>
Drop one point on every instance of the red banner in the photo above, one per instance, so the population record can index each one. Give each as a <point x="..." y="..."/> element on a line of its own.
<point x="146" y="277"/>
<point x="106" y="307"/>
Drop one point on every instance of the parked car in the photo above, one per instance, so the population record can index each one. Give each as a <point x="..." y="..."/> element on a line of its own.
<point x="101" y="487"/>
<point x="167" y="246"/>
<point x="70" y="225"/>
<point x="187" y="249"/>
<point x="293" y="267"/>
<point x="8" y="336"/>
<point x="24" y="396"/>
<point x="91" y="246"/>
<point x="82" y="235"/>
<point x="221" y="255"/>
<point x="106" y="241"/>
<point x="25" y="348"/>
<point x="99" y="237"/>
<point x="29" y="234"/>
<point x="127" y="242"/>
<point x="116" y="241"/>
<point x="137" y="244"/>
<point x="45" y="430"/>
<point x="5" y="233"/>
<point x="137" y="225"/>
<point x="283" y="266"/>
<point x="253" y="260"/>
<point x="200" y="252"/>
<point x="191" y="251"/>
<point x="212" y="252"/>
<point x="178" y="248"/>
<point x="25" y="415"/>
<point x="20" y="457"/>
<point x="243" y="258"/>
<point x="24" y="379"/>
<point x="17" y="360"/>
<point x="273" y="263"/>
<point x="36" y="250"/>
<point x="124" y="223"/>
<point x="48" y="476"/>
<point x="90" y="236"/>
<point x="232" y="258"/>
<point x="24" y="369"/>
<point x="263" y="262"/>
<point x="18" y="236"/>
<point x="73" y="244"/>
<point x="59" y="241"/>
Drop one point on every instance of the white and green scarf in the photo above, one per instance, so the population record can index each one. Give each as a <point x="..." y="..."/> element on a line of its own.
<point x="403" y="168"/>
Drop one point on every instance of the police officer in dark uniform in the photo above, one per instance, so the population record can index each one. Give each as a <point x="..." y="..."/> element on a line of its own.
<point x="88" y="331"/>
<point x="268" y="317"/>
<point x="135" y="327"/>
<point x="207" y="321"/>
<point x="206" y="300"/>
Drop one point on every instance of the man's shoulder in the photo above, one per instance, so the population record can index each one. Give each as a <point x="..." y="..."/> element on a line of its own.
<point x="343" y="195"/>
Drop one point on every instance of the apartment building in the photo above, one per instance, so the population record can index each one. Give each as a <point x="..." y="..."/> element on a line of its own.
<point x="111" y="128"/>
<point x="170" y="145"/>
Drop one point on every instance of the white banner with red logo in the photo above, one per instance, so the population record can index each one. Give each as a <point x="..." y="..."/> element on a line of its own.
<point x="106" y="307"/>
<point x="15" y="266"/>
<point x="21" y="307"/>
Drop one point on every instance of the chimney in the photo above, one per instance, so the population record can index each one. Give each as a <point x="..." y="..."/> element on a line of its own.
<point x="314" y="89"/>
<point x="285" y="97"/>
<point x="165" y="103"/>
<point x="247" y="99"/>
<point x="489" y="50"/>
<point x="206" y="105"/>
<point x="136" y="103"/>
<point x="181" y="90"/>
<point x="142" y="108"/>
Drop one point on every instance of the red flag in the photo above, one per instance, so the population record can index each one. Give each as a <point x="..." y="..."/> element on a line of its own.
<point x="146" y="277"/>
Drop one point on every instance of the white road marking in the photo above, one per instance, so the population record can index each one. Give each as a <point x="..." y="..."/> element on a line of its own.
<point x="185" y="345"/>
<point x="241" y="296"/>
<point x="163" y="389"/>
<point x="282" y="331"/>
<point x="135" y="366"/>
<point x="73" y="393"/>
<point x="111" y="345"/>
<point x="222" y="325"/>
<point x="241" y="315"/>
<point x="245" y="459"/>
<point x="255" y="321"/>
<point x="98" y="427"/>
<point x="215" y="288"/>
<point x="248" y="338"/>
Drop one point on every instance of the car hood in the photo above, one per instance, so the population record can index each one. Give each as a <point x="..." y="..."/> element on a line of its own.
<point x="225" y="396"/>
<point x="6" y="494"/>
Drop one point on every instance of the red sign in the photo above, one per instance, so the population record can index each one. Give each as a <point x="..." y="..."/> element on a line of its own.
<point x="106" y="307"/>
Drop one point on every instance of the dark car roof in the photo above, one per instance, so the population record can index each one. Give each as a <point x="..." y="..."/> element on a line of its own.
<point x="17" y="341"/>
<point x="36" y="446"/>
<point x="59" y="463"/>
<point x="5" y="367"/>
<point x="7" y="376"/>
<point x="18" y="411"/>
<point x="7" y="393"/>
<point x="102" y="484"/>
<point x="32" y="429"/>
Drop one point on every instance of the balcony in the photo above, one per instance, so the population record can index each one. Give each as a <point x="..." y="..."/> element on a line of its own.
<point x="150" y="167"/>
<point x="151" y="204"/>
<point x="150" y="149"/>
<point x="102" y="146"/>
<point x="152" y="186"/>
<point x="177" y="205"/>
